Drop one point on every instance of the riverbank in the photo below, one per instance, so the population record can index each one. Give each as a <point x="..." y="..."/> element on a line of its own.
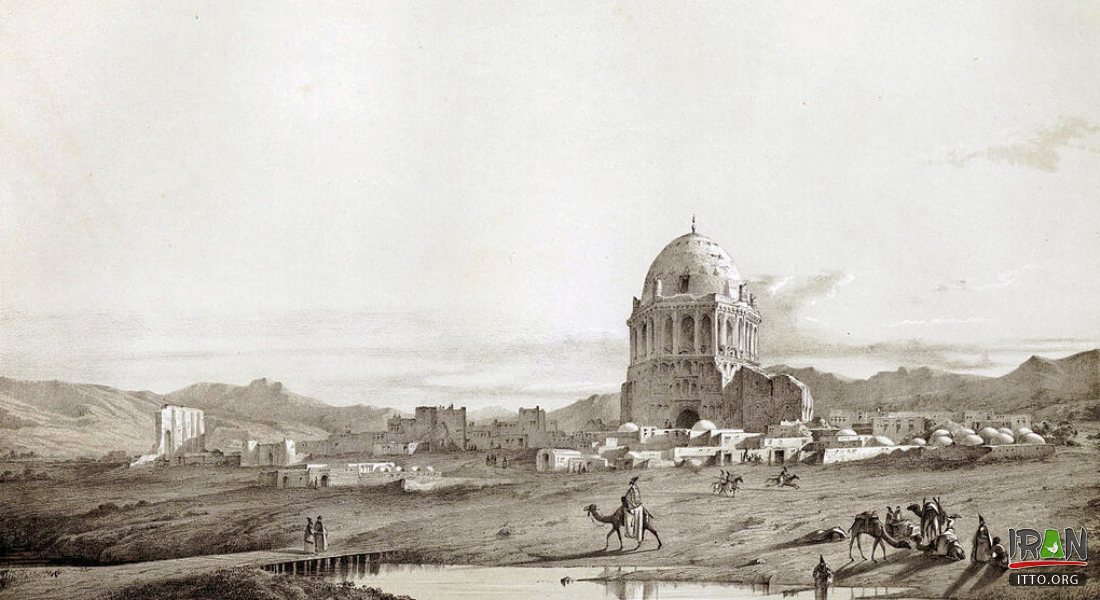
<point x="538" y="520"/>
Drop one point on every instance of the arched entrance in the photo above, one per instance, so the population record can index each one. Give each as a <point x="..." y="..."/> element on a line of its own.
<point x="686" y="419"/>
<point x="324" y="481"/>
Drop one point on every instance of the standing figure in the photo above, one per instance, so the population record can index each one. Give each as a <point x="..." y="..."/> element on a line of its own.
<point x="320" y="534"/>
<point x="823" y="578"/>
<point x="634" y="511"/>
<point x="982" y="550"/>
<point x="309" y="547"/>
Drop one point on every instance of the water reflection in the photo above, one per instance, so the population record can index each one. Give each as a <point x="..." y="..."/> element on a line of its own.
<point x="430" y="582"/>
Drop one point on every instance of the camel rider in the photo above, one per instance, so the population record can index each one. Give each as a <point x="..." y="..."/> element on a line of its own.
<point x="634" y="510"/>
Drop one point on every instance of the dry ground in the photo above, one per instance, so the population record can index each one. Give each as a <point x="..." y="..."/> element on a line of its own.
<point x="196" y="510"/>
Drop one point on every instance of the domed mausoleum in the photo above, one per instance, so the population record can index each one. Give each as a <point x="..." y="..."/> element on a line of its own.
<point x="694" y="347"/>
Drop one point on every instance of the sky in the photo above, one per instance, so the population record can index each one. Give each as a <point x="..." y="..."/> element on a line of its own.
<point x="428" y="202"/>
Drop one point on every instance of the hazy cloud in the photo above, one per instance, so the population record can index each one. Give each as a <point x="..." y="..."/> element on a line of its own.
<point x="1004" y="279"/>
<point x="1042" y="149"/>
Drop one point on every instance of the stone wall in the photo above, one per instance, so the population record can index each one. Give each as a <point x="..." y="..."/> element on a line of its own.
<point x="179" y="429"/>
<point x="753" y="400"/>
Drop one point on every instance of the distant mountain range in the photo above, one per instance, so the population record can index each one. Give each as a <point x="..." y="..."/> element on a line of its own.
<point x="54" y="418"/>
<point x="1040" y="386"/>
<point x="61" y="419"/>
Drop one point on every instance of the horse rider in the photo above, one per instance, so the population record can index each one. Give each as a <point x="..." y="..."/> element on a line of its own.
<point x="634" y="510"/>
<point x="783" y="475"/>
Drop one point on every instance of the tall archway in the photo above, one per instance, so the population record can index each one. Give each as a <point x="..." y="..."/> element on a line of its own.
<point x="667" y="345"/>
<point x="686" y="418"/>
<point x="706" y="330"/>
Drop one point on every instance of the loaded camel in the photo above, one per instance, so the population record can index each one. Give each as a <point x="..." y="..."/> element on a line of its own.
<point x="615" y="520"/>
<point x="868" y="523"/>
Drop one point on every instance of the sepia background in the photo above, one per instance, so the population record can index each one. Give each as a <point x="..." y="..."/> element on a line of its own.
<point x="414" y="203"/>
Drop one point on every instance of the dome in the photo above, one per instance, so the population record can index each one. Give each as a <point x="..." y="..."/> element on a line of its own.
<point x="692" y="264"/>
<point x="1006" y="438"/>
<point x="1006" y="430"/>
<point x="988" y="433"/>
<point x="941" y="440"/>
<point x="1023" y="431"/>
<point x="1032" y="438"/>
<point x="628" y="427"/>
<point x="919" y="442"/>
<point x="881" y="440"/>
<point x="846" y="432"/>
<point x="971" y="439"/>
<point x="704" y="425"/>
<point x="939" y="432"/>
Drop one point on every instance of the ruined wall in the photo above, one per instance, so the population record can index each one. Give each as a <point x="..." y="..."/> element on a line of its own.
<point x="753" y="400"/>
<point x="179" y="429"/>
<point x="279" y="454"/>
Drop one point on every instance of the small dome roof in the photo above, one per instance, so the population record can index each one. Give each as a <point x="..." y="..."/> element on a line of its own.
<point x="881" y="440"/>
<point x="941" y="440"/>
<point x="919" y="442"/>
<point x="1023" y="430"/>
<point x="988" y="433"/>
<point x="1006" y="438"/>
<point x="1032" y="438"/>
<point x="628" y="427"/>
<point x="846" y="432"/>
<point x="707" y="267"/>
<point x="966" y="431"/>
<point x="972" y="439"/>
<point x="940" y="432"/>
<point x="1007" y="430"/>
<point x="704" y="425"/>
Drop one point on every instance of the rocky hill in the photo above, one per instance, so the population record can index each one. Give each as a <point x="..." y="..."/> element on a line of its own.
<point x="597" y="408"/>
<point x="54" y="418"/>
<point x="1041" y="386"/>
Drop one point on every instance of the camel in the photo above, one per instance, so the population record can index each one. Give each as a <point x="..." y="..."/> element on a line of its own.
<point x="946" y="545"/>
<point x="898" y="527"/>
<point x="868" y="523"/>
<point x="615" y="520"/>
<point x="932" y="519"/>
<point x="787" y="482"/>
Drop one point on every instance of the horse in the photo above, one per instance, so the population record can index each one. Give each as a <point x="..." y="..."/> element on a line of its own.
<point x="615" y="520"/>
<point x="786" y="482"/>
<point x="727" y="485"/>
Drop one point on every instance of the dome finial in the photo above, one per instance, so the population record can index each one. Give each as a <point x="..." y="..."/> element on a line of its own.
<point x="693" y="222"/>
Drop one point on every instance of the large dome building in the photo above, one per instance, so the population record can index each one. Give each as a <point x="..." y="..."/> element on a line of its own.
<point x="694" y="347"/>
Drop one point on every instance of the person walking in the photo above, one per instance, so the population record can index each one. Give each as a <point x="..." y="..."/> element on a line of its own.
<point x="309" y="546"/>
<point x="320" y="535"/>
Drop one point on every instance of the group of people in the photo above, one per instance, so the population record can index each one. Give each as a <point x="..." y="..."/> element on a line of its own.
<point x="316" y="536"/>
<point x="493" y="460"/>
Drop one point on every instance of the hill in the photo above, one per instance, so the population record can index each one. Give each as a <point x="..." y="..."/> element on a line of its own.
<point x="54" y="418"/>
<point x="1040" y="386"/>
<point x="596" y="408"/>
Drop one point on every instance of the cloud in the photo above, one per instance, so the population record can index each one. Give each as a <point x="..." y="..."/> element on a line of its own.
<point x="938" y="321"/>
<point x="1004" y="279"/>
<point x="1042" y="149"/>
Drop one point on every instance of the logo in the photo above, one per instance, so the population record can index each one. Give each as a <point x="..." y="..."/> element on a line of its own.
<point x="1029" y="548"/>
